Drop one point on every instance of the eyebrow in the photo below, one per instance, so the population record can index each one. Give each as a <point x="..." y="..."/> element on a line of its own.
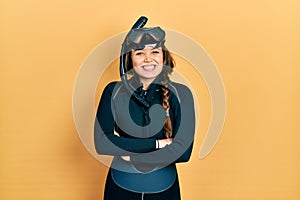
<point x="144" y="48"/>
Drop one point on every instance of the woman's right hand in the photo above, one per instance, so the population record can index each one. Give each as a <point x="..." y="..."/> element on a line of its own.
<point x="164" y="142"/>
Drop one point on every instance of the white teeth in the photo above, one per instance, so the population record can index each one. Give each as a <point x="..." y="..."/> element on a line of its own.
<point x="149" y="67"/>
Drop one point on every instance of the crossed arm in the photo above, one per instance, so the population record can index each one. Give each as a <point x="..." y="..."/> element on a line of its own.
<point x="145" y="150"/>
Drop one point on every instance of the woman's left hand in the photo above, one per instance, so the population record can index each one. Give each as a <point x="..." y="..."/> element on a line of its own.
<point x="126" y="158"/>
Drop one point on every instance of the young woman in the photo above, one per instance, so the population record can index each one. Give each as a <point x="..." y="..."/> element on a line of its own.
<point x="146" y="141"/>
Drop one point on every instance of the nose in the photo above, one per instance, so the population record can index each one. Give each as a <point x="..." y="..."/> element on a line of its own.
<point x="148" y="57"/>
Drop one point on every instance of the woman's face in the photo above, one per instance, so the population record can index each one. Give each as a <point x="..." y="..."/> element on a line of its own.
<point x="147" y="63"/>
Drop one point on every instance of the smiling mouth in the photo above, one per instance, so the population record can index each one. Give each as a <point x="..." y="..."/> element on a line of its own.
<point x="149" y="68"/>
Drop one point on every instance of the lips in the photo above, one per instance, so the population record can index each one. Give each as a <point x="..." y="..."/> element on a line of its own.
<point x="149" y="68"/>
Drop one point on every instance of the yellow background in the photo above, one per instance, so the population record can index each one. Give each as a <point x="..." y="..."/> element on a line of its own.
<point x="255" y="45"/>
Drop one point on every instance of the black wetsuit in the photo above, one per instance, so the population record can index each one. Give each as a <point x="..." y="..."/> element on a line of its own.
<point x="138" y="129"/>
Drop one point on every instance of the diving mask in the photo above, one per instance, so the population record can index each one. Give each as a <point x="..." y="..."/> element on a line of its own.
<point x="142" y="37"/>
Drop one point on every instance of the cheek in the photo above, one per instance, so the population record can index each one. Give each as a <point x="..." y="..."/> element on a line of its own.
<point x="136" y="61"/>
<point x="159" y="59"/>
<point x="159" y="69"/>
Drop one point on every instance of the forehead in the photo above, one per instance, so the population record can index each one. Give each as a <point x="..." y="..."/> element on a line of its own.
<point x="148" y="48"/>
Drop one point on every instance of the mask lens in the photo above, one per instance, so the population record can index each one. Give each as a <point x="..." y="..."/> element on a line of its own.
<point x="144" y="35"/>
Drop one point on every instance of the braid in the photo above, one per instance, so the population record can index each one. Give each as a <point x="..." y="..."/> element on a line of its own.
<point x="165" y="91"/>
<point x="166" y="105"/>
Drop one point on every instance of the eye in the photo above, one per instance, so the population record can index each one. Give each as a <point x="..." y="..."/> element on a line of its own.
<point x="155" y="51"/>
<point x="138" y="53"/>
